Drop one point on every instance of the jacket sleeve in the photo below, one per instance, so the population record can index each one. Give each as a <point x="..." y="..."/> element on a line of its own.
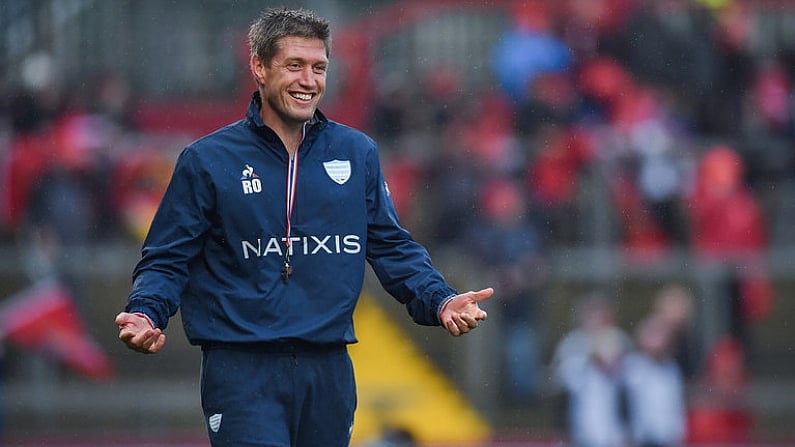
<point x="402" y="265"/>
<point x="174" y="240"/>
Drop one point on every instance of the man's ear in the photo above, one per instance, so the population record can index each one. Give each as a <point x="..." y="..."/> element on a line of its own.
<point x="257" y="69"/>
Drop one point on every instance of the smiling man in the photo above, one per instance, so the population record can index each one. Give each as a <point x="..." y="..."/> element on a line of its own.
<point x="262" y="239"/>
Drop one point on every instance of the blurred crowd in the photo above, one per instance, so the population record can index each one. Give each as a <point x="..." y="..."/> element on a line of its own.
<point x="648" y="113"/>
<point x="658" y="102"/>
<point x="651" y="113"/>
<point x="637" y="389"/>
<point x="75" y="171"/>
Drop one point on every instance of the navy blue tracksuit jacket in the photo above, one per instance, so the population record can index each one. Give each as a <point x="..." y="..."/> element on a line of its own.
<point x="216" y="246"/>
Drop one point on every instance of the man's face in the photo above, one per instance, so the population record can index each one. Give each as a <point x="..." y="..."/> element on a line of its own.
<point x="293" y="83"/>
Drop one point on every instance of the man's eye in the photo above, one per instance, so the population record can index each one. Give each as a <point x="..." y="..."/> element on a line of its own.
<point x="294" y="67"/>
<point x="319" y="69"/>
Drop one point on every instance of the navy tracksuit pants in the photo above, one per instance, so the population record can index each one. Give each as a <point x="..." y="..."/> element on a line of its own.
<point x="277" y="395"/>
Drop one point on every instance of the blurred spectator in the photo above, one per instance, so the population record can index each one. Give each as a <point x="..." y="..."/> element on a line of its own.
<point x="112" y="100"/>
<point x="508" y="251"/>
<point x="655" y="386"/>
<point x="457" y="179"/>
<point x="528" y="49"/>
<point x="404" y="106"/>
<point x="552" y="100"/>
<point x="403" y="174"/>
<point x="475" y="146"/>
<point x="587" y="22"/>
<point x="34" y="106"/>
<point x="490" y="137"/>
<point x="25" y="160"/>
<point x="66" y="206"/>
<point x="674" y="305"/>
<point x="554" y="180"/>
<point x="720" y="412"/>
<point x="663" y="161"/>
<point x="41" y="96"/>
<point x="726" y="218"/>
<point x="722" y="112"/>
<point x="669" y="44"/>
<point x="728" y="228"/>
<point x="770" y="102"/>
<point x="392" y="110"/>
<point x="646" y="158"/>
<point x="588" y="363"/>
<point x="602" y="81"/>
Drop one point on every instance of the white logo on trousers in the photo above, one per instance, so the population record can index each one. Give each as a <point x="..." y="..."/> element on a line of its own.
<point x="215" y="422"/>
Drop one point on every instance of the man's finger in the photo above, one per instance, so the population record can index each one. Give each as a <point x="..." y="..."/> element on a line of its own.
<point x="161" y="340"/>
<point x="123" y="319"/>
<point x="452" y="328"/>
<point x="469" y="321"/>
<point x="483" y="294"/>
<point x="152" y="343"/>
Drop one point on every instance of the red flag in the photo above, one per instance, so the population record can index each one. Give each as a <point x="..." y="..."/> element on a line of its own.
<point x="44" y="318"/>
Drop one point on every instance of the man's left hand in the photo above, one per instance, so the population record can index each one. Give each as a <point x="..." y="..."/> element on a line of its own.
<point x="461" y="314"/>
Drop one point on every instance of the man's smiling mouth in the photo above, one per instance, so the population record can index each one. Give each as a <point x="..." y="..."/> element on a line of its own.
<point x="302" y="96"/>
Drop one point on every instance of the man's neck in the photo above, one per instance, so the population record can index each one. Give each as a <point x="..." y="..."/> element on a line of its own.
<point x="291" y="136"/>
<point x="291" y="141"/>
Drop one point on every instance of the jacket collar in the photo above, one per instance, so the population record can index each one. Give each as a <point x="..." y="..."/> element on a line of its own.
<point x="254" y="119"/>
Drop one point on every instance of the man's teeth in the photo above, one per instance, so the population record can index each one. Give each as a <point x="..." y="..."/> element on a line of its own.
<point x="302" y="96"/>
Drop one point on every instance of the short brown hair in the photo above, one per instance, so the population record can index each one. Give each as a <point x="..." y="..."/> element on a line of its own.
<point x="276" y="23"/>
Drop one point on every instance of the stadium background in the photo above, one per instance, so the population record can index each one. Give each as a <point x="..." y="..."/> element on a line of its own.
<point x="113" y="89"/>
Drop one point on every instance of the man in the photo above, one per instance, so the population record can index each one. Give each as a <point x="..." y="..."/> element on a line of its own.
<point x="261" y="240"/>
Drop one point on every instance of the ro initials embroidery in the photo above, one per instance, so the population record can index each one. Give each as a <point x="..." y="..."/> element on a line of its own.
<point x="250" y="181"/>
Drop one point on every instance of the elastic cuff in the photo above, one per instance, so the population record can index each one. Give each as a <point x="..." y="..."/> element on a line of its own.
<point x="149" y="320"/>
<point x="443" y="306"/>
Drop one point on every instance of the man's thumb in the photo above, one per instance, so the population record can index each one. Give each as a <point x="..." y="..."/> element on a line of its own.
<point x="482" y="294"/>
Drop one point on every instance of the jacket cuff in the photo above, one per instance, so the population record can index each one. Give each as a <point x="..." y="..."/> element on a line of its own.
<point x="443" y="305"/>
<point x="141" y="307"/>
<point x="145" y="316"/>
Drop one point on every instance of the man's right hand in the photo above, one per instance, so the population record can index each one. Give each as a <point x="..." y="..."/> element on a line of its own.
<point x="137" y="332"/>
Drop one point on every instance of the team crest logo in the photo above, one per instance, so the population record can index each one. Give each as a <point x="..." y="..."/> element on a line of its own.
<point x="215" y="422"/>
<point x="250" y="180"/>
<point x="338" y="170"/>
